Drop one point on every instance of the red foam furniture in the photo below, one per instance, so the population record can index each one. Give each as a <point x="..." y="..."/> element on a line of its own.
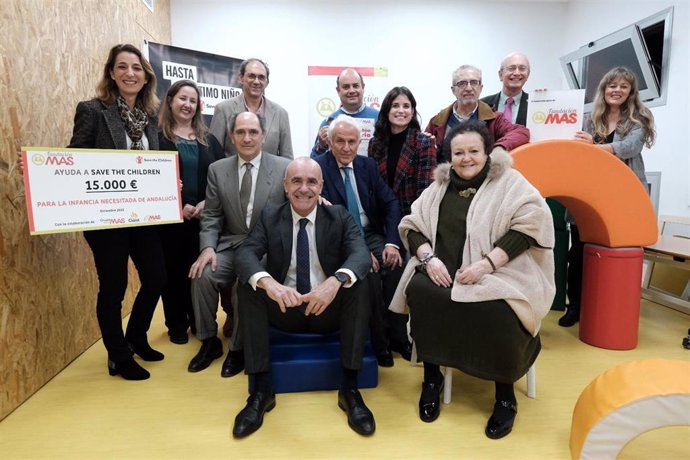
<point x="610" y="309"/>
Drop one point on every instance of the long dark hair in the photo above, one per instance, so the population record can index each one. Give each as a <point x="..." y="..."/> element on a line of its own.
<point x="382" y="128"/>
<point x="107" y="90"/>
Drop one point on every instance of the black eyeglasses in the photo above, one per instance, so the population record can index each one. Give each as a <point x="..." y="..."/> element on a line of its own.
<point x="463" y="83"/>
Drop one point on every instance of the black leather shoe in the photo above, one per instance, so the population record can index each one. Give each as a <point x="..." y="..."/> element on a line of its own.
<point x="233" y="364"/>
<point x="430" y="401"/>
<point x="572" y="316"/>
<point x="385" y="359"/>
<point x="403" y="348"/>
<point x="144" y="350"/>
<point x="497" y="428"/>
<point x="210" y="349"/>
<point x="129" y="370"/>
<point x="359" y="417"/>
<point x="251" y="417"/>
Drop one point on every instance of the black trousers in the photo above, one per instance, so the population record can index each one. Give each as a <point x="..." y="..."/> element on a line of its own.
<point x="575" y="262"/>
<point x="111" y="251"/>
<point x="385" y="324"/>
<point x="180" y="244"/>
<point x="348" y="313"/>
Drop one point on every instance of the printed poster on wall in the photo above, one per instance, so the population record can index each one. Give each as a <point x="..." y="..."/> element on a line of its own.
<point x="323" y="97"/>
<point x="215" y="75"/>
<point x="555" y="114"/>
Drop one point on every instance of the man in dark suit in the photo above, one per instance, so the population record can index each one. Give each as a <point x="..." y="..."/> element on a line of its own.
<point x="233" y="205"/>
<point x="511" y="101"/>
<point x="354" y="181"/>
<point x="315" y="258"/>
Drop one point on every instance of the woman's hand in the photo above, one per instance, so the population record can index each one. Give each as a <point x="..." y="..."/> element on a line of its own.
<point x="438" y="273"/>
<point x="583" y="136"/>
<point x="324" y="202"/>
<point x="474" y="272"/>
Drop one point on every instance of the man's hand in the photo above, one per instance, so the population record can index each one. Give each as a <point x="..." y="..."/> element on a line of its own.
<point x="198" y="209"/>
<point x="391" y="257"/>
<point x="285" y="297"/>
<point x="321" y="296"/>
<point x="375" y="267"/>
<point x="323" y="136"/>
<point x="208" y="255"/>
<point x="188" y="212"/>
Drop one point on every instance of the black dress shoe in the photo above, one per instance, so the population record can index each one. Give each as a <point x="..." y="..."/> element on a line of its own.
<point x="144" y="350"/>
<point x="129" y="370"/>
<point x="403" y="348"/>
<point x="385" y="359"/>
<point x="430" y="401"/>
<point x="251" y="417"/>
<point x="210" y="349"/>
<point x="501" y="425"/>
<point x="233" y="364"/>
<point x="359" y="417"/>
<point x="572" y="316"/>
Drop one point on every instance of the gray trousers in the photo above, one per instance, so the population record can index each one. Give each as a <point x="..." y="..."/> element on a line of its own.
<point x="205" y="294"/>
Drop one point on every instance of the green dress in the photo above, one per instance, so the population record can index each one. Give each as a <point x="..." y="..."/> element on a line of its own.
<point x="483" y="339"/>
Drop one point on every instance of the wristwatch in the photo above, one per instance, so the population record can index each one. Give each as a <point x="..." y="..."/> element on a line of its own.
<point x="342" y="277"/>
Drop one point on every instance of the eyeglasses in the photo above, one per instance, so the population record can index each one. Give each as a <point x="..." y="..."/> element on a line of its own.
<point x="253" y="76"/>
<point x="463" y="83"/>
<point x="513" y="68"/>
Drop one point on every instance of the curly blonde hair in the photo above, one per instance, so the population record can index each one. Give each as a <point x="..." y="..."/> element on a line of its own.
<point x="633" y="111"/>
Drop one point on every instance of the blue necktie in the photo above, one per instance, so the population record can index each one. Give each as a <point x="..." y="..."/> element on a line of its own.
<point x="351" y="197"/>
<point x="302" y="253"/>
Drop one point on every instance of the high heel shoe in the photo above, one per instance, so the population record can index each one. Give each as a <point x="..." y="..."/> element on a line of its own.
<point x="145" y="352"/>
<point x="129" y="370"/>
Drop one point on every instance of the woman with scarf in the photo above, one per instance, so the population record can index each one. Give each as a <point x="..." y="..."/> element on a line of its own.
<point x="122" y="116"/>
<point x="481" y="278"/>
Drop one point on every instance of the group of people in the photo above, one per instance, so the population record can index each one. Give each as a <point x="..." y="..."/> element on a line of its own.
<point x="435" y="224"/>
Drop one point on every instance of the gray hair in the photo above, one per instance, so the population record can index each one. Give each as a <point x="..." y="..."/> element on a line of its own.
<point x="343" y="119"/>
<point x="465" y="67"/>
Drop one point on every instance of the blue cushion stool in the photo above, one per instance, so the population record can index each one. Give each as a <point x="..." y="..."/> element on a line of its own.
<point x="308" y="362"/>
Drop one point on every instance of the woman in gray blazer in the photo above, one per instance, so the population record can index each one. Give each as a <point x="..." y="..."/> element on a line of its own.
<point x="122" y="116"/>
<point x="621" y="125"/>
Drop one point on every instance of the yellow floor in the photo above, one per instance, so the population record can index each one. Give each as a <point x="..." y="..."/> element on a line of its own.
<point x="83" y="413"/>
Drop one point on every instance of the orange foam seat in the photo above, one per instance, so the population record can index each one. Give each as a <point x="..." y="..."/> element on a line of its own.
<point x="609" y="203"/>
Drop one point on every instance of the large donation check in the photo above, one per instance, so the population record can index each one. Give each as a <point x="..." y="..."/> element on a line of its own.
<point x="69" y="190"/>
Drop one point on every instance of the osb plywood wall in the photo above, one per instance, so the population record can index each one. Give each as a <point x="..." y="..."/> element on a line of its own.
<point x="51" y="54"/>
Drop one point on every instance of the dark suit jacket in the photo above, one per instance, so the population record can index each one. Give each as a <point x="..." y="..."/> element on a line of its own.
<point x="522" y="111"/>
<point x="222" y="223"/>
<point x="380" y="204"/>
<point x="207" y="155"/>
<point x="339" y="243"/>
<point x="98" y="125"/>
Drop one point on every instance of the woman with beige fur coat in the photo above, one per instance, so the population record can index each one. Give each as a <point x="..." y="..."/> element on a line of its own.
<point x="483" y="275"/>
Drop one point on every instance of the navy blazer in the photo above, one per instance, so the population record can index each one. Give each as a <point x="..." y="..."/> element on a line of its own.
<point x="207" y="155"/>
<point x="339" y="243"/>
<point x="521" y="118"/>
<point x="380" y="203"/>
